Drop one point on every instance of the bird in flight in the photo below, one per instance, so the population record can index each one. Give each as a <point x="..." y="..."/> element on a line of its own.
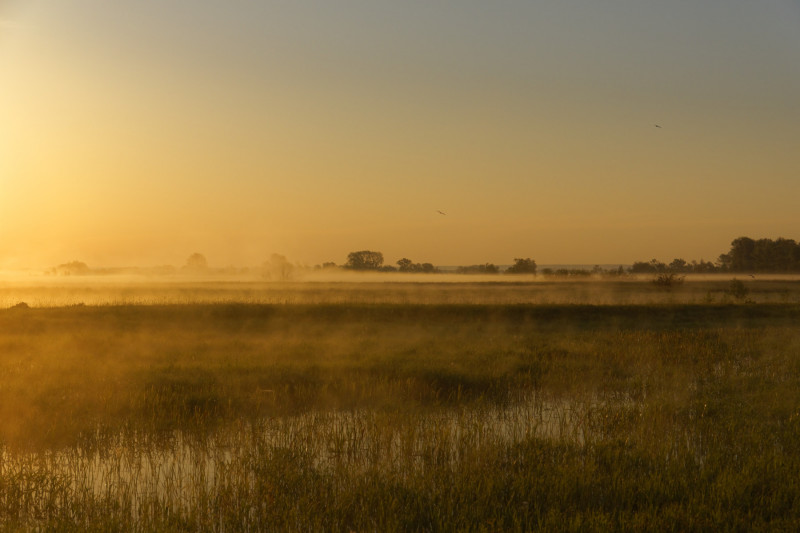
<point x="656" y="125"/>
<point x="440" y="212"/>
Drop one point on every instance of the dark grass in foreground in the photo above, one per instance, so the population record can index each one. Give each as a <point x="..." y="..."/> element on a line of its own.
<point x="400" y="417"/>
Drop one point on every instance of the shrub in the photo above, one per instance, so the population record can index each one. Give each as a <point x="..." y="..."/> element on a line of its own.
<point x="667" y="280"/>
<point x="737" y="289"/>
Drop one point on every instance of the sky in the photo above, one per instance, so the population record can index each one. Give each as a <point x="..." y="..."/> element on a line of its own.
<point x="137" y="133"/>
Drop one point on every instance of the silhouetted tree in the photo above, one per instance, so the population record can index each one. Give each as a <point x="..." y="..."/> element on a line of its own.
<point x="787" y="254"/>
<point x="611" y="272"/>
<point x="667" y="280"/>
<point x="196" y="262"/>
<point x="679" y="265"/>
<point x="737" y="289"/>
<point x="640" y="267"/>
<point x="522" y="266"/>
<point x="745" y="255"/>
<point x="705" y="267"/>
<point x="364" y="260"/>
<point x="405" y="265"/>
<point x="740" y="257"/>
<point x="73" y="268"/>
<point x="487" y="268"/>
<point x="762" y="255"/>
<point x="277" y="268"/>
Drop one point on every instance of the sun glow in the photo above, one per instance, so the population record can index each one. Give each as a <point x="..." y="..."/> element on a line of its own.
<point x="163" y="131"/>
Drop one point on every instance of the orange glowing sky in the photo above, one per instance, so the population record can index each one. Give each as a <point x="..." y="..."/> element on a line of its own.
<point x="135" y="133"/>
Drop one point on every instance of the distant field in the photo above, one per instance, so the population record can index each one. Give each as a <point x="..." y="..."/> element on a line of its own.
<point x="43" y="291"/>
<point x="397" y="407"/>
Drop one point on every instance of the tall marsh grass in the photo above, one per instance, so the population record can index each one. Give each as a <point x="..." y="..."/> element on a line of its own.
<point x="389" y="417"/>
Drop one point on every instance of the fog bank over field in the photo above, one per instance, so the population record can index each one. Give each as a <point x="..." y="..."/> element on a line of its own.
<point x="321" y="289"/>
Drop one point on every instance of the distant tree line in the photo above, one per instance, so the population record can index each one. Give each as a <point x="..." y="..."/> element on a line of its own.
<point x="73" y="268"/>
<point x="366" y="260"/>
<point x="578" y="272"/>
<point x="370" y="260"/>
<point x="762" y="255"/>
<point x="655" y="266"/>
<point x="745" y="255"/>
<point x="522" y="266"/>
<point x="487" y="268"/>
<point x="406" y="265"/>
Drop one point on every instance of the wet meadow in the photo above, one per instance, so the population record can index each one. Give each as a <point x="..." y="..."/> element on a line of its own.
<point x="481" y="406"/>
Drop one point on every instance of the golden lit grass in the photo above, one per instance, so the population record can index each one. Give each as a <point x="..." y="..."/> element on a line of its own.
<point x="67" y="370"/>
<point x="400" y="417"/>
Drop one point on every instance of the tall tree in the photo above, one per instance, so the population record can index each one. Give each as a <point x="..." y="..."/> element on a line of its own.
<point x="762" y="255"/>
<point x="405" y="265"/>
<point x="364" y="260"/>
<point x="196" y="262"/>
<point x="277" y="268"/>
<point x="522" y="266"/>
<point x="740" y="257"/>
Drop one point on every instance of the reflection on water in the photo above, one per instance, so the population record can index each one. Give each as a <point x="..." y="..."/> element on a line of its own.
<point x="183" y="471"/>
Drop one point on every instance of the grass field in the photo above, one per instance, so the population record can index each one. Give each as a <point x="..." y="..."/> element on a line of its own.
<point x="404" y="408"/>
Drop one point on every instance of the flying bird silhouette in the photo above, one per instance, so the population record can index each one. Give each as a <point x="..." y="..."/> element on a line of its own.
<point x="440" y="212"/>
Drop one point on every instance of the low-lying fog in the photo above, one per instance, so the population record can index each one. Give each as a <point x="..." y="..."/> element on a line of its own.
<point x="329" y="286"/>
